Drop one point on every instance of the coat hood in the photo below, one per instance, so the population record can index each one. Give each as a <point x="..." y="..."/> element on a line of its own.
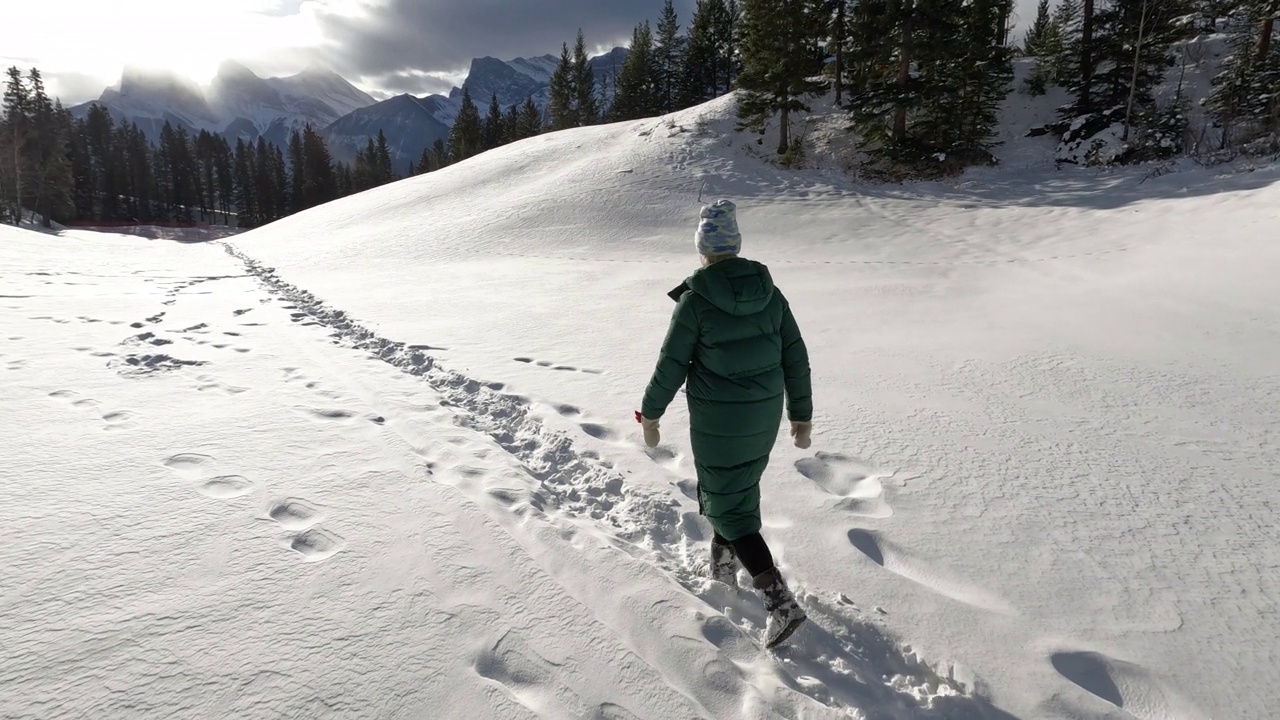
<point x="737" y="286"/>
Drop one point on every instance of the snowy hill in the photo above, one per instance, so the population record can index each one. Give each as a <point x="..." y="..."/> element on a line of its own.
<point x="378" y="459"/>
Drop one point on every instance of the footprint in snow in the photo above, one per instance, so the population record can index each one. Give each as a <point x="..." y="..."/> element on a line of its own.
<point x="1126" y="685"/>
<point x="226" y="487"/>
<point x="326" y="414"/>
<point x="901" y="562"/>
<point x="189" y="465"/>
<point x="557" y="366"/>
<point x="317" y="545"/>
<point x="859" y="485"/>
<point x="599" y="432"/>
<point x="526" y="676"/>
<point x="664" y="456"/>
<point x="118" y="420"/>
<point x="294" y="514"/>
<point x="208" y="383"/>
<point x="201" y="469"/>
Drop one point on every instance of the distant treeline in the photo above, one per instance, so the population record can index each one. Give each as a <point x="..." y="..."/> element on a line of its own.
<point x="920" y="80"/>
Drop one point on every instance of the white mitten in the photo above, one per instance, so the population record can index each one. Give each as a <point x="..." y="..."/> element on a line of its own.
<point x="801" y="432"/>
<point x="651" y="435"/>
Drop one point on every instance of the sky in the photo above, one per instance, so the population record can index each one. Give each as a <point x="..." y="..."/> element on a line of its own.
<point x="385" y="47"/>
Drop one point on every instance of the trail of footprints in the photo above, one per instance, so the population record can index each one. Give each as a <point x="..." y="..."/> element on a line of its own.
<point x="297" y="517"/>
<point x="548" y="364"/>
<point x="573" y="483"/>
<point x="112" y="420"/>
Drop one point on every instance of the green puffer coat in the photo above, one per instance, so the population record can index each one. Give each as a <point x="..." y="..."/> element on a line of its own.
<point x="735" y="343"/>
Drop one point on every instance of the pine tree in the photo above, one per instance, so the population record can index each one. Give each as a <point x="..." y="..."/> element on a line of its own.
<point x="562" y="108"/>
<point x="344" y="180"/>
<point x="668" y="50"/>
<point x="930" y="76"/>
<point x="492" y="127"/>
<point x="699" y="81"/>
<point x="968" y="85"/>
<point x="48" y="192"/>
<point x="780" y="58"/>
<point x="279" y="182"/>
<point x="320" y="185"/>
<point x="1034" y="43"/>
<point x="530" y="119"/>
<point x="836" y="45"/>
<point x="364" y="173"/>
<point x="727" y="16"/>
<point x="175" y="174"/>
<point x="638" y="96"/>
<point x="83" y="197"/>
<point x="263" y="180"/>
<point x="440" y="152"/>
<point x="426" y="162"/>
<point x="584" y="85"/>
<point x="1084" y="101"/>
<point x="130" y="187"/>
<point x="224" y="168"/>
<point x="1244" y="100"/>
<point x="1128" y="51"/>
<point x="467" y="135"/>
<point x="297" y="172"/>
<point x="105" y="180"/>
<point x="385" y="173"/>
<point x="17" y="133"/>
<point x="245" y="172"/>
<point x="511" y="126"/>
<point x="1062" y="45"/>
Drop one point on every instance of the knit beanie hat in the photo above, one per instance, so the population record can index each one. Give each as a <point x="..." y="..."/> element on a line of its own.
<point x="718" y="230"/>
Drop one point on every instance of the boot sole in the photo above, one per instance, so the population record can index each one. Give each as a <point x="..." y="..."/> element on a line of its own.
<point x="786" y="632"/>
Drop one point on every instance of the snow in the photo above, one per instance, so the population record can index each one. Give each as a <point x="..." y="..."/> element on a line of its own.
<point x="379" y="459"/>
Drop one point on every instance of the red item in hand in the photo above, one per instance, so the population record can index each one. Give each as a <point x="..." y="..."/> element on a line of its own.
<point x="639" y="417"/>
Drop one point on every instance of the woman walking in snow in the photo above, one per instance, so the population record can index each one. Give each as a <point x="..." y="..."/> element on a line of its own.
<point x="735" y="343"/>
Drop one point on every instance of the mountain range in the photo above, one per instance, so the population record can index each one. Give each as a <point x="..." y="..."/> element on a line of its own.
<point x="240" y="105"/>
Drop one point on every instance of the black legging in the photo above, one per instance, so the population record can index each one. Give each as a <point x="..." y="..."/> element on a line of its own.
<point x="752" y="551"/>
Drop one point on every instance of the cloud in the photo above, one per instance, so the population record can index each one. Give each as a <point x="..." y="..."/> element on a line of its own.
<point x="384" y="46"/>
<point x="394" y="42"/>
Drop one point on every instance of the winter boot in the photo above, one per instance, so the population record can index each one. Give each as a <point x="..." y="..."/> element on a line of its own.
<point x="724" y="564"/>
<point x="785" y="614"/>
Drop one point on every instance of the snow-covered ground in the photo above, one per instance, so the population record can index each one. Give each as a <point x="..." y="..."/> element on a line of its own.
<point x="378" y="459"/>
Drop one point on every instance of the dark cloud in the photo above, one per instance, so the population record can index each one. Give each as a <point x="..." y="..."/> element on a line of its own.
<point x="404" y="38"/>
<point x="414" y="83"/>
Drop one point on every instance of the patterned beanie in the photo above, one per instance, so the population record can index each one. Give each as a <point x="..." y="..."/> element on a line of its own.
<point x="718" y="230"/>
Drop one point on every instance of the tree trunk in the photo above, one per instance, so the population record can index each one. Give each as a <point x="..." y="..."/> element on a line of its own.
<point x="838" y="37"/>
<point x="1133" y="80"/>
<point x="784" y="133"/>
<point x="16" y="121"/>
<point x="1264" y="38"/>
<point x="1086" y="57"/>
<point x="904" y="76"/>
